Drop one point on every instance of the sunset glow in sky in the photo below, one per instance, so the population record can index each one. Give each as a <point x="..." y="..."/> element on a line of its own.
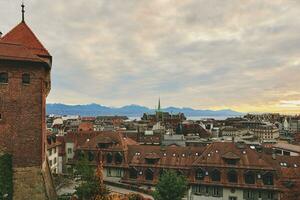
<point x="205" y="54"/>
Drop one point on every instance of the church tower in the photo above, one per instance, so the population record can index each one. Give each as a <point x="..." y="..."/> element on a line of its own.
<point x="25" y="66"/>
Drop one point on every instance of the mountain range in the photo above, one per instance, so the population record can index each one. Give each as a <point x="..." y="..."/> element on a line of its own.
<point x="129" y="110"/>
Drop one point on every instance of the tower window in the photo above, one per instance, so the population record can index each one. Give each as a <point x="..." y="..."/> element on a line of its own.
<point x="26" y="78"/>
<point x="4" y="77"/>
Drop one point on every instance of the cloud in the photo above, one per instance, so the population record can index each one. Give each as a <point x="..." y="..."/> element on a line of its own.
<point x="202" y="54"/>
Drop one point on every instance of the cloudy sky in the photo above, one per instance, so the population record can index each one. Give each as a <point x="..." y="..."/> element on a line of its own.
<point x="243" y="55"/>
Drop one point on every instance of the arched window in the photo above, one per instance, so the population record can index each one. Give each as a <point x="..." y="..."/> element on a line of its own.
<point x="109" y="157"/>
<point x="149" y="174"/>
<point x="133" y="173"/>
<point x="80" y="155"/>
<point x="161" y="172"/>
<point x="26" y="78"/>
<point x="216" y="175"/>
<point x="249" y="177"/>
<point x="3" y="77"/>
<point x="268" y="178"/>
<point x="118" y="158"/>
<point x="91" y="156"/>
<point x="200" y="173"/>
<point x="232" y="176"/>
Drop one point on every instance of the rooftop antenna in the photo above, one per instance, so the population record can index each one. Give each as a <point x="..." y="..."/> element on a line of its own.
<point x="23" y="11"/>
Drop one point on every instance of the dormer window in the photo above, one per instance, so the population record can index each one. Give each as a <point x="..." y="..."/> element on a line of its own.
<point x="26" y="78"/>
<point x="231" y="158"/>
<point x="152" y="158"/>
<point x="3" y="78"/>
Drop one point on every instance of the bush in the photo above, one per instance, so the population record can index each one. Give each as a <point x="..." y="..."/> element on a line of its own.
<point x="6" y="177"/>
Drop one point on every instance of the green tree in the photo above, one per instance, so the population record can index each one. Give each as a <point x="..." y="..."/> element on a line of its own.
<point x="89" y="185"/>
<point x="6" y="177"/>
<point x="171" y="186"/>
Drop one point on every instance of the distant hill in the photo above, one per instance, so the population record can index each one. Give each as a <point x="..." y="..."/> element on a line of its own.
<point x="130" y="110"/>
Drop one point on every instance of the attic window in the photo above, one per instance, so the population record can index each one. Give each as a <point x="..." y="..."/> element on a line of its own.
<point x="283" y="164"/>
<point x="26" y="78"/>
<point x="3" y="78"/>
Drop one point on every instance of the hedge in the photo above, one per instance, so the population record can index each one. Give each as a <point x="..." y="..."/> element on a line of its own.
<point x="6" y="177"/>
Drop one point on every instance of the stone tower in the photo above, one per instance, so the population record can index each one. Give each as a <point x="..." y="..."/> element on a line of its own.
<point x="24" y="85"/>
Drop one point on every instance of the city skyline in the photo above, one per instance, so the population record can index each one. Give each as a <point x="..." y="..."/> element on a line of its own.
<point x="229" y="54"/>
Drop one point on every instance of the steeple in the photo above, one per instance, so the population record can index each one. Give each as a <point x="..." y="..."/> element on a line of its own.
<point x="158" y="108"/>
<point x="23" y="11"/>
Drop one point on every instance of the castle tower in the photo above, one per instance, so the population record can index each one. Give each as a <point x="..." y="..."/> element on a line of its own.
<point x="24" y="85"/>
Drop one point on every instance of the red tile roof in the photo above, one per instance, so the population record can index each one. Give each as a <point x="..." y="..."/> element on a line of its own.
<point x="22" y="34"/>
<point x="9" y="51"/>
<point x="170" y="157"/>
<point x="214" y="153"/>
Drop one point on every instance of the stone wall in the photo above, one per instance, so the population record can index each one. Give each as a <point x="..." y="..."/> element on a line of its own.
<point x="33" y="183"/>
